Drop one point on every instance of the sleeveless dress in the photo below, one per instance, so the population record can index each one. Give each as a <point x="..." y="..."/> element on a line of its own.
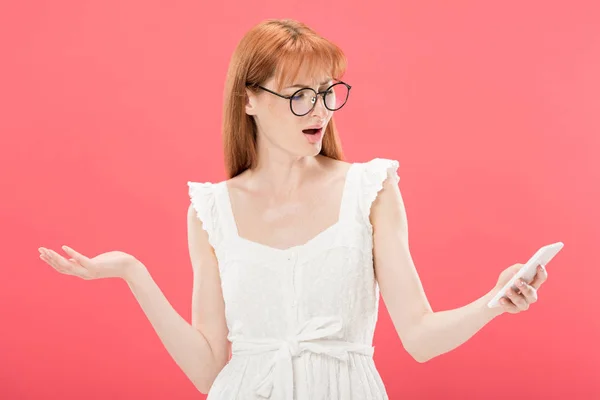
<point x="301" y="320"/>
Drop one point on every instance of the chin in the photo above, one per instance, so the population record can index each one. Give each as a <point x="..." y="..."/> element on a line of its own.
<point x="308" y="149"/>
<point x="314" y="150"/>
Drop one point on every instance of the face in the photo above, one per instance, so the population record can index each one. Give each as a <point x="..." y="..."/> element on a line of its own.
<point x="281" y="130"/>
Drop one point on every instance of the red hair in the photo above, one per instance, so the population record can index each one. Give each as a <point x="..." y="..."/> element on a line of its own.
<point x="273" y="48"/>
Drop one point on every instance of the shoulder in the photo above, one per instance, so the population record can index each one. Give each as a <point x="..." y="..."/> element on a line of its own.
<point x="379" y="191"/>
<point x="202" y="212"/>
<point x="201" y="209"/>
<point x="378" y="169"/>
<point x="387" y="205"/>
<point x="200" y="192"/>
<point x="378" y="176"/>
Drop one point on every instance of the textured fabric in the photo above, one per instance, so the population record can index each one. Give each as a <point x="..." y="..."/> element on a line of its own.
<point x="301" y="320"/>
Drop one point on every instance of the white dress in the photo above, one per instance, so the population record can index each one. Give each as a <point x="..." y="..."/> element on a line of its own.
<point x="301" y="320"/>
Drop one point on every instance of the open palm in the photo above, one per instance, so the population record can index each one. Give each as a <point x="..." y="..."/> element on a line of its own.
<point x="113" y="264"/>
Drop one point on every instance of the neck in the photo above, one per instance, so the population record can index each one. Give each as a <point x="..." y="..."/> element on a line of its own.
<point x="280" y="173"/>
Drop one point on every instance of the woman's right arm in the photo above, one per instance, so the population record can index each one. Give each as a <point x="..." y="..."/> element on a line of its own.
<point x="201" y="349"/>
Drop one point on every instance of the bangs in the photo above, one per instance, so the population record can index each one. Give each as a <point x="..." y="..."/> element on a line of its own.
<point x="315" y="56"/>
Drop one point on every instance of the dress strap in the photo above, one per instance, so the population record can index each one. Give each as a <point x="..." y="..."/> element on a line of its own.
<point x="202" y="197"/>
<point x="350" y="193"/>
<point x="225" y="211"/>
<point x="373" y="174"/>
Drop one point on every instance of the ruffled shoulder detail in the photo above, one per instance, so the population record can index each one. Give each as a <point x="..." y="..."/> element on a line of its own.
<point x="374" y="174"/>
<point x="202" y="197"/>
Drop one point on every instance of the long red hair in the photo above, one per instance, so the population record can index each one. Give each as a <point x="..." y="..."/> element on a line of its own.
<point x="273" y="48"/>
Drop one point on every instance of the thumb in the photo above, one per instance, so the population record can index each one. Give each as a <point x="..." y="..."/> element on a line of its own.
<point x="515" y="268"/>
<point x="80" y="258"/>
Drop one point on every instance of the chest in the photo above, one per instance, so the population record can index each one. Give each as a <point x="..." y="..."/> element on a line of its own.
<point x="284" y="223"/>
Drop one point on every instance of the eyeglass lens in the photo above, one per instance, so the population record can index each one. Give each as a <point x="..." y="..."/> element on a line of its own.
<point x="304" y="100"/>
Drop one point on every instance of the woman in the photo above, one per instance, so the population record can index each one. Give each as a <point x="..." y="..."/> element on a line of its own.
<point x="290" y="252"/>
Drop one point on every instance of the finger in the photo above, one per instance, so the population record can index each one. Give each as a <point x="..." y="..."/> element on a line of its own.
<point x="64" y="266"/>
<point x="80" y="258"/>
<point x="540" y="277"/>
<point x="49" y="259"/>
<point x="528" y="291"/>
<point x="508" y="305"/>
<point x="54" y="259"/>
<point x="517" y="299"/>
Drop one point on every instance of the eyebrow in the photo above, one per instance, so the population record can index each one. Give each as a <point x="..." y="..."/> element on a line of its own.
<point x="303" y="86"/>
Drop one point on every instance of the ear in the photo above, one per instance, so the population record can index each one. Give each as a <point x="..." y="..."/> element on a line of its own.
<point x="251" y="102"/>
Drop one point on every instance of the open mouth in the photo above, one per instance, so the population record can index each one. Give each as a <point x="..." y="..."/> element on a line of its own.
<point x="313" y="135"/>
<point x="312" y="131"/>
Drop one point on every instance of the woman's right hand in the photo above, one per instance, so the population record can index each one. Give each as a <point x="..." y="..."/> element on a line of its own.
<point x="113" y="264"/>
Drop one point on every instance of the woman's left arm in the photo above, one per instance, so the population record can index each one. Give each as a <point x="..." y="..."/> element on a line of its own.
<point x="424" y="333"/>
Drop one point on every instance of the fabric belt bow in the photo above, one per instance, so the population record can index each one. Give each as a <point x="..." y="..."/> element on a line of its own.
<point x="317" y="335"/>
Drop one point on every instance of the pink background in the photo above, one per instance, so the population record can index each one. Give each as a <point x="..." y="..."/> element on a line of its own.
<point x="108" y="108"/>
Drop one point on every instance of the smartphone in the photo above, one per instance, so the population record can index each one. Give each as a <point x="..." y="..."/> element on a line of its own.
<point x="529" y="269"/>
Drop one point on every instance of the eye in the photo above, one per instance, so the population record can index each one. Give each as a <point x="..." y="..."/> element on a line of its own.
<point x="301" y="95"/>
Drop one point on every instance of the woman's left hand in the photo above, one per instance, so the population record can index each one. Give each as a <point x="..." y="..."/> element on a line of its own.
<point x="526" y="294"/>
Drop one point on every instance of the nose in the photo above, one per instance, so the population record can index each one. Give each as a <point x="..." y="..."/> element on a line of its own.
<point x="319" y="109"/>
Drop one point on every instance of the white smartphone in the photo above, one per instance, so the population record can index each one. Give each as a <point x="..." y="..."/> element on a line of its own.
<point x="528" y="270"/>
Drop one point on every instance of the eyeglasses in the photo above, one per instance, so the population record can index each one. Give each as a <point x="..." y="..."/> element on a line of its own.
<point x="304" y="100"/>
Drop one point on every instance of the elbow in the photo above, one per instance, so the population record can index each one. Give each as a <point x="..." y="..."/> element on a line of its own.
<point x="418" y="351"/>
<point x="420" y="357"/>
<point x="203" y="389"/>
<point x="202" y="385"/>
<point x="416" y="344"/>
<point x="204" y="381"/>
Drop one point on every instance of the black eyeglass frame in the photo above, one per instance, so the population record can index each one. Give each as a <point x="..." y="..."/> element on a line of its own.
<point x="317" y="94"/>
